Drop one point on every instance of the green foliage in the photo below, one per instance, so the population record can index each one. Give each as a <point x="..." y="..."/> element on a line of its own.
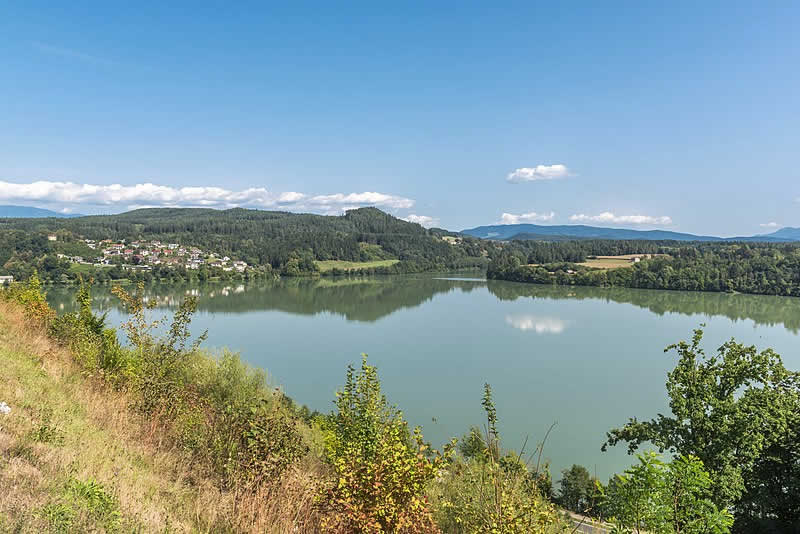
<point x="31" y="298"/>
<point x="82" y="507"/>
<point x="489" y="491"/>
<point x="162" y="361"/>
<point x="269" y="444"/>
<point x="269" y="240"/>
<point x="578" y="490"/>
<point x="46" y="430"/>
<point x="95" y="346"/>
<point x="100" y="505"/>
<point x="471" y="445"/>
<point x="381" y="469"/>
<point x="737" y="413"/>
<point x="301" y="263"/>
<point x="59" y="516"/>
<point x="763" y="268"/>
<point x="660" y="498"/>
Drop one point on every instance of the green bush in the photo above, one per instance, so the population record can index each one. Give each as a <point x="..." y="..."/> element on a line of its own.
<point x="489" y="491"/>
<point x="31" y="298"/>
<point x="665" y="498"/>
<point x="381" y="469"/>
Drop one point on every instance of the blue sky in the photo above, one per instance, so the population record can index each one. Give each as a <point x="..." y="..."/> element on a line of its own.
<point x="637" y="114"/>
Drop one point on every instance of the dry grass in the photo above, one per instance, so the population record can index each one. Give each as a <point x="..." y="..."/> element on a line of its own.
<point x="607" y="263"/>
<point x="91" y="434"/>
<point x="616" y="262"/>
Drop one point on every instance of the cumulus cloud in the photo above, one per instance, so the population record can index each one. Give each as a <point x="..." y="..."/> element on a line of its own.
<point x="361" y="199"/>
<point x="69" y="195"/>
<point x="509" y="218"/>
<point x="538" y="173"/>
<point x="538" y="324"/>
<point x="423" y="220"/>
<point x="608" y="217"/>
<point x="770" y="225"/>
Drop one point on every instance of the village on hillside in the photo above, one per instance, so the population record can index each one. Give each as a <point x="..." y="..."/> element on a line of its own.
<point x="144" y="255"/>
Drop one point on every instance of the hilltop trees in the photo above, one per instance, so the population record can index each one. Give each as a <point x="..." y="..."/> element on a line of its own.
<point x="259" y="237"/>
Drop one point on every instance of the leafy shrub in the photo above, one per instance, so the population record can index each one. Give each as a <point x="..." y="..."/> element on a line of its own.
<point x="162" y="362"/>
<point x="381" y="469"/>
<point x="270" y="443"/>
<point x="489" y="491"/>
<point x="663" y="498"/>
<point x="31" y="298"/>
<point x="94" y="346"/>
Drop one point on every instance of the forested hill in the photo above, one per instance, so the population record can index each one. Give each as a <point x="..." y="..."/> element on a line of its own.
<point x="266" y="237"/>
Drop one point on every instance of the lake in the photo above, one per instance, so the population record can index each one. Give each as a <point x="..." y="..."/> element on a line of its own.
<point x="584" y="358"/>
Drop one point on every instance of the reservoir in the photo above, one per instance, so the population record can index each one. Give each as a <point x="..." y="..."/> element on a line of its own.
<point x="584" y="359"/>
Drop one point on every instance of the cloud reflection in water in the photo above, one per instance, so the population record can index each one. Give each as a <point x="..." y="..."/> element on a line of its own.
<point x="537" y="323"/>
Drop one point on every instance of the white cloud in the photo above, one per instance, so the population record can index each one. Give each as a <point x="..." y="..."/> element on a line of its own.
<point x="70" y="195"/>
<point x="508" y="218"/>
<point x="538" y="173"/>
<point x="608" y="217"/>
<point x="362" y="199"/>
<point x="538" y="324"/>
<point x="423" y="220"/>
<point x="770" y="225"/>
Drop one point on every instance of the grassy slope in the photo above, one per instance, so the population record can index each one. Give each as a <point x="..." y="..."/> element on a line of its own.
<point x="328" y="265"/>
<point x="74" y="458"/>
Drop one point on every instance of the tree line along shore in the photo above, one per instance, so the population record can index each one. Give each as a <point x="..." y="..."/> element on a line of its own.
<point x="366" y="241"/>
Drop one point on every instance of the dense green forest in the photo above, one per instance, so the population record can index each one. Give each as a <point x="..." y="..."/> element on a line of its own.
<point x="284" y="242"/>
<point x="761" y="268"/>
<point x="290" y="244"/>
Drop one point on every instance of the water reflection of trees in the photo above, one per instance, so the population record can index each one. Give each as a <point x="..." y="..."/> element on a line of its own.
<point x="369" y="299"/>
<point x="356" y="299"/>
<point x="762" y="309"/>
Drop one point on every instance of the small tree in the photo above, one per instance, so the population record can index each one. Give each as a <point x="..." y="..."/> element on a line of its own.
<point x="577" y="489"/>
<point x="660" y="498"/>
<point x="381" y="469"/>
<point x="727" y="410"/>
<point x="162" y="361"/>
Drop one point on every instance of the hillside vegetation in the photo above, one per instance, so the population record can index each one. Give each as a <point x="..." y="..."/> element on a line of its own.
<point x="157" y="435"/>
<point x="288" y="243"/>
<point x="759" y="268"/>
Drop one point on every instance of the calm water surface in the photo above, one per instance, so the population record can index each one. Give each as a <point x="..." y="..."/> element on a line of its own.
<point x="584" y="358"/>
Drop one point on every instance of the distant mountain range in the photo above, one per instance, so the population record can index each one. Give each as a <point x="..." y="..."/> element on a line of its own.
<point x="16" y="212"/>
<point x="507" y="232"/>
